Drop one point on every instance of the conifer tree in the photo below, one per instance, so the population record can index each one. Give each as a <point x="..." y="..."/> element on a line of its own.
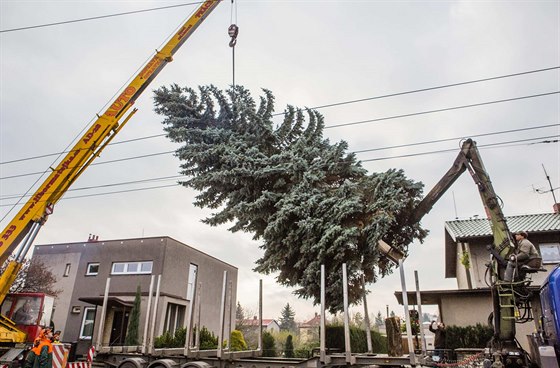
<point x="131" y="338"/>
<point x="287" y="321"/>
<point x="306" y="199"/>
<point x="289" y="348"/>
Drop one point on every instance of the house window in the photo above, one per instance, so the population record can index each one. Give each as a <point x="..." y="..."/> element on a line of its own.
<point x="550" y="252"/>
<point x="86" y="331"/>
<point x="67" y="270"/>
<point x="174" y="317"/>
<point x="132" y="268"/>
<point x="92" y="269"/>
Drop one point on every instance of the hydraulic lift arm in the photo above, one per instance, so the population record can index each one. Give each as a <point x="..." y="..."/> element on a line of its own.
<point x="503" y="244"/>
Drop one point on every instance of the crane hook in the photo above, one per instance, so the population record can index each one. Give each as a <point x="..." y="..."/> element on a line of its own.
<point x="233" y="30"/>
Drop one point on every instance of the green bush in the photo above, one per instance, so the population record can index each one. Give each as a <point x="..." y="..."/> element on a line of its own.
<point x="476" y="336"/>
<point x="268" y="345"/>
<point x="208" y="340"/>
<point x="289" y="348"/>
<point x="358" y="340"/>
<point x="237" y="342"/>
<point x="168" y="340"/>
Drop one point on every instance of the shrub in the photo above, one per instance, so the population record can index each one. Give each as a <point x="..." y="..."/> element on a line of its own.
<point x="268" y="345"/>
<point x="468" y="337"/>
<point x="289" y="348"/>
<point x="208" y="340"/>
<point x="237" y="342"/>
<point x="358" y="340"/>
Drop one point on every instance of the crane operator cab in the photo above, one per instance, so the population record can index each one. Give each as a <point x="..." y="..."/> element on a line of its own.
<point x="29" y="311"/>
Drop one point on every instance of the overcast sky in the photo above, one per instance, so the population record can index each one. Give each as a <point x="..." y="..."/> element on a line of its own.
<point x="54" y="80"/>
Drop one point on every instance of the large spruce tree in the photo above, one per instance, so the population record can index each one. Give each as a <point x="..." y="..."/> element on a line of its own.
<point x="306" y="199"/>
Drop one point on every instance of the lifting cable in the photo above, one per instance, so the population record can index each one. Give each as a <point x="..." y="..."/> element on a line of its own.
<point x="233" y="30"/>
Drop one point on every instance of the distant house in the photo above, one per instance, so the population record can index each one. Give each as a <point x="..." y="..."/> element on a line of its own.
<point x="269" y="325"/>
<point x="467" y="240"/>
<point x="309" y="331"/>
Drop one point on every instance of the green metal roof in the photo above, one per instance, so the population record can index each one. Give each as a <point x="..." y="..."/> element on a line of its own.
<point x="472" y="228"/>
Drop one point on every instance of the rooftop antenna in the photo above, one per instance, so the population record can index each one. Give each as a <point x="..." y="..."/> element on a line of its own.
<point x="550" y="184"/>
<point x="455" y="205"/>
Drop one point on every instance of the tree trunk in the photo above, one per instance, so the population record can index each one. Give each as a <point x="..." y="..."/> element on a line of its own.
<point x="394" y="336"/>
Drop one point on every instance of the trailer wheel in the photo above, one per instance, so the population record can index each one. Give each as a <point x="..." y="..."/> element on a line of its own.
<point x="197" y="364"/>
<point x="133" y="363"/>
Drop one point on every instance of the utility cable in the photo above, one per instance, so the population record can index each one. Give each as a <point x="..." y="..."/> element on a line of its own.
<point x="440" y="110"/>
<point x="162" y="178"/>
<point x="59" y="153"/>
<point x="98" y="17"/>
<point x="427" y="89"/>
<point x="454" y="138"/>
<point x="495" y="145"/>
<point x="358" y="151"/>
<point x="455" y="149"/>
<point x="342" y="103"/>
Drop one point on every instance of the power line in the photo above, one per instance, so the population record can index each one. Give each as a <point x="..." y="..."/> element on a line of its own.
<point x="428" y="89"/>
<point x="455" y="149"/>
<point x="440" y="110"/>
<point x="495" y="145"/>
<point x="455" y="138"/>
<point x="358" y="151"/>
<point x="162" y="178"/>
<point x="63" y="152"/>
<point x="329" y="105"/>
<point x="96" y="163"/>
<point x="98" y="17"/>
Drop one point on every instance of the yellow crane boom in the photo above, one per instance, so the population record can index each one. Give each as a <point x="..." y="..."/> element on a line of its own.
<point x="26" y="224"/>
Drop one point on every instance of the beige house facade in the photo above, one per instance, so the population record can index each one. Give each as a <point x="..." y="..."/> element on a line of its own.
<point x="466" y="257"/>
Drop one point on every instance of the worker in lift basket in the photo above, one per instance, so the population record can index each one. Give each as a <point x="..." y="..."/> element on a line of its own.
<point x="527" y="256"/>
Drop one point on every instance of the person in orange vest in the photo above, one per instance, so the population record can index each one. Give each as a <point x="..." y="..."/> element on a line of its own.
<point x="40" y="356"/>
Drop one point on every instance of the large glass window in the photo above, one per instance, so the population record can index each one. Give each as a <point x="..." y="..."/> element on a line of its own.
<point x="132" y="268"/>
<point x="86" y="331"/>
<point x="174" y="317"/>
<point x="550" y="252"/>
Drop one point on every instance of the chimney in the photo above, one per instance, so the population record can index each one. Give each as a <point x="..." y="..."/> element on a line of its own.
<point x="556" y="208"/>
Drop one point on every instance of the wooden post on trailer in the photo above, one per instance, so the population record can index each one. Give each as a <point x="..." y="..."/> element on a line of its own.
<point x="102" y="318"/>
<point x="260" y="346"/>
<point x="145" y="337"/>
<point x="220" y="351"/>
<point x="366" y="318"/>
<point x="419" y="302"/>
<point x="347" y="345"/>
<point x="323" y="353"/>
<point x="407" y="314"/>
<point x="150" y="347"/>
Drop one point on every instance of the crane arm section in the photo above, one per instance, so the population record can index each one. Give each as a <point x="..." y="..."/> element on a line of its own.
<point x="96" y="138"/>
<point x="469" y="159"/>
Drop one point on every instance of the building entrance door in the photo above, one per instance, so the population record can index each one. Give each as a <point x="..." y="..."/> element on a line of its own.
<point x="118" y="329"/>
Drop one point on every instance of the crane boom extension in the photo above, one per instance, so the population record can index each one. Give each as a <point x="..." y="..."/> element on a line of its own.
<point x="503" y="244"/>
<point x="36" y="210"/>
